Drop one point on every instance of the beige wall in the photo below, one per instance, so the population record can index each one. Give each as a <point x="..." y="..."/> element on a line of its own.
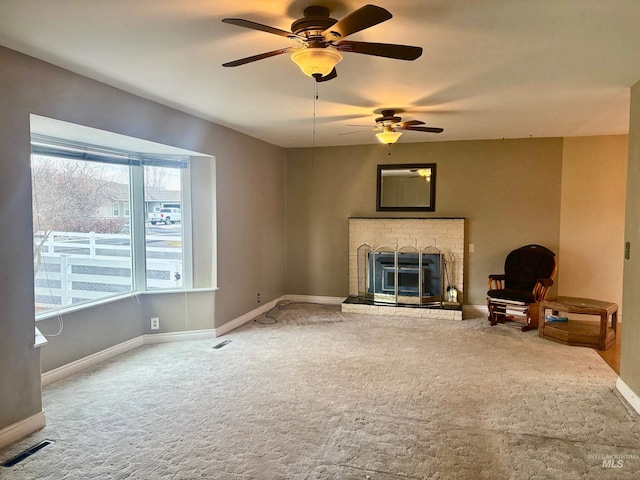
<point x="630" y="350"/>
<point x="592" y="217"/>
<point x="508" y="190"/>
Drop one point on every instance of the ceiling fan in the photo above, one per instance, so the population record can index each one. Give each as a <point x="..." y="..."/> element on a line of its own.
<point x="320" y="41"/>
<point x="391" y="126"/>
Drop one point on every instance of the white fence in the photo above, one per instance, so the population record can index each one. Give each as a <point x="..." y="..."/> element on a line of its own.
<point x="78" y="267"/>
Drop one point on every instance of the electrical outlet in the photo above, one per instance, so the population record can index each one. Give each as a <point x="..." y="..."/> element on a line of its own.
<point x="155" y="323"/>
<point x="258" y="297"/>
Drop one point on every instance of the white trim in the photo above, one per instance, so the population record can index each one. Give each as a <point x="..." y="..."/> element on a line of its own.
<point x="315" y="299"/>
<point x="628" y="394"/>
<point x="108" y="353"/>
<point x="89" y="361"/>
<point x="227" y="327"/>
<point x="153" y="338"/>
<point x="183" y="291"/>
<point x="21" y="429"/>
<point x="233" y="324"/>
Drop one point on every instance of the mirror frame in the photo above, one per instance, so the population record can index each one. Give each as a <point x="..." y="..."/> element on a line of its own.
<point x="380" y="207"/>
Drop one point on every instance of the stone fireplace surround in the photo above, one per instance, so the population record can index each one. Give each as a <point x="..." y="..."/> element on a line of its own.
<point x="445" y="234"/>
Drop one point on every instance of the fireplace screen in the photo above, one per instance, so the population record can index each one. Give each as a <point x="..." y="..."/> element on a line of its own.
<point x="404" y="276"/>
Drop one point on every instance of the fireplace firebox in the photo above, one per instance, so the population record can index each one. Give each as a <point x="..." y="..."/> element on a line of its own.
<point x="401" y="277"/>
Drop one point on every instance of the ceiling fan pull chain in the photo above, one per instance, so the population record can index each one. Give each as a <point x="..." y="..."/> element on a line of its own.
<point x="313" y="139"/>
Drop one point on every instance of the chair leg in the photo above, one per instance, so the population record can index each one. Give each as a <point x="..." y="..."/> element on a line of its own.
<point x="492" y="319"/>
<point x="532" y="317"/>
<point x="496" y="313"/>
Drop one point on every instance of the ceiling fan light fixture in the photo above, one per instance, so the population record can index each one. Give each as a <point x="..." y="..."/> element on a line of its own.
<point x="316" y="61"/>
<point x="388" y="136"/>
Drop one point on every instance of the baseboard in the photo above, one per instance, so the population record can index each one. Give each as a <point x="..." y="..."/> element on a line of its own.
<point x="628" y="394"/>
<point x="89" y="361"/>
<point x="155" y="338"/>
<point x="227" y="327"/>
<point x="315" y="299"/>
<point x="150" y="339"/>
<point x="103" y="355"/>
<point x="21" y="429"/>
<point x="233" y="324"/>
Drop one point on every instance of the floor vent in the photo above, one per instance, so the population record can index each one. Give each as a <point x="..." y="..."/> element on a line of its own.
<point x="27" y="453"/>
<point x="222" y="344"/>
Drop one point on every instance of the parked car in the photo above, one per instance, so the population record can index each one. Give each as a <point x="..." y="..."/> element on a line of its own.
<point x="166" y="216"/>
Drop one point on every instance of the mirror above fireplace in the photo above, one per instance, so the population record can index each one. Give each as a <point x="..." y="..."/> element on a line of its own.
<point x="406" y="187"/>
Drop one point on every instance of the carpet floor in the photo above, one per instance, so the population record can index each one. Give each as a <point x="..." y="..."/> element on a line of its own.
<point x="324" y="395"/>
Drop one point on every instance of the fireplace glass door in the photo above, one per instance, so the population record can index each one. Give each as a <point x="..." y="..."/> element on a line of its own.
<point x="405" y="278"/>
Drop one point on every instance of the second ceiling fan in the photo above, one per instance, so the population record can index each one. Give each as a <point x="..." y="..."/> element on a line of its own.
<point x="320" y="40"/>
<point x="390" y="126"/>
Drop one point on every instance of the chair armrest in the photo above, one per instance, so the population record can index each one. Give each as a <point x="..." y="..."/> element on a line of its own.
<point x="542" y="288"/>
<point x="496" y="281"/>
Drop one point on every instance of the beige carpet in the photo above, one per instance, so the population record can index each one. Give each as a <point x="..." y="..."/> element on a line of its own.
<point x="326" y="395"/>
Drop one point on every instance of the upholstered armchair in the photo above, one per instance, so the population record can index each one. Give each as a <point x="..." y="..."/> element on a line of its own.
<point x="516" y="294"/>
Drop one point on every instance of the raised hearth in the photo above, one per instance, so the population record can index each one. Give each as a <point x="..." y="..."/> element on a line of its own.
<point x="355" y="304"/>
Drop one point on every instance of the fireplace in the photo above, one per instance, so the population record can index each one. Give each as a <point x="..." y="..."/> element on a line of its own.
<point x="413" y="278"/>
<point x="406" y="267"/>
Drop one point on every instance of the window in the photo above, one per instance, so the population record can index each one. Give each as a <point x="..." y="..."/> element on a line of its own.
<point x="84" y="249"/>
<point x="163" y="248"/>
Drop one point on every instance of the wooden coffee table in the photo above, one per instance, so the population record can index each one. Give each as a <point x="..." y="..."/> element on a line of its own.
<point x="579" y="332"/>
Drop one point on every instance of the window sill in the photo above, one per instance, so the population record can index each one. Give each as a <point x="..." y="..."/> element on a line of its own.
<point x="117" y="298"/>
<point x="186" y="290"/>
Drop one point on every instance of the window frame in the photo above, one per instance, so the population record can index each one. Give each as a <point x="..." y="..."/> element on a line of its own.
<point x="53" y="148"/>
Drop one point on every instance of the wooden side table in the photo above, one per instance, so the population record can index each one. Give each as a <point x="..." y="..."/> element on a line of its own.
<point x="583" y="333"/>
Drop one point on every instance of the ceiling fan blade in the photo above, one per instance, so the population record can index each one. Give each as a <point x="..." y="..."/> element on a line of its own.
<point x="389" y="50"/>
<point x="242" y="61"/>
<point x="425" y="129"/>
<point x="239" y="22"/>
<point x="349" y="133"/>
<point x="330" y="76"/>
<point x="364" y="17"/>
<point x="410" y="123"/>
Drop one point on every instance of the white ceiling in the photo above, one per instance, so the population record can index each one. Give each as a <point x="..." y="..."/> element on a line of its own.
<point x="490" y="68"/>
